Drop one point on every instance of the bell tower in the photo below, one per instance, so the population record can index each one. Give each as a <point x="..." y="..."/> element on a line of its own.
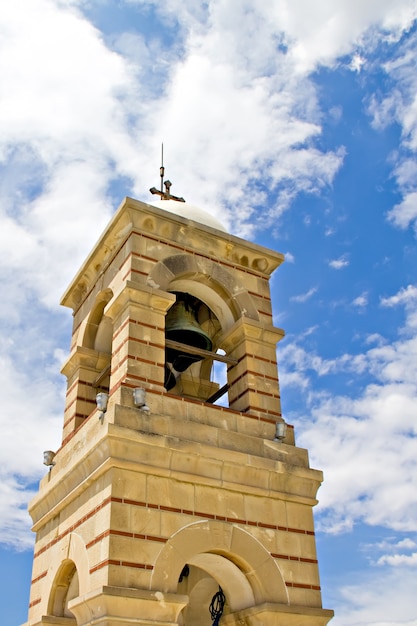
<point x="178" y="495"/>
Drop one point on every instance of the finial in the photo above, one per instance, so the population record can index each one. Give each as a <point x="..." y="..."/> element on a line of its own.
<point x="165" y="195"/>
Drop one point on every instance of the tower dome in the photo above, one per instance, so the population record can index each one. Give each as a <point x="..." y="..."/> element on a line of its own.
<point x="189" y="211"/>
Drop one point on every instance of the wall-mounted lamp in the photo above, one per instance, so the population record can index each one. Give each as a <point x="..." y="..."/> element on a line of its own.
<point x="281" y="430"/>
<point x="48" y="458"/>
<point x="139" y="399"/>
<point x="101" y="401"/>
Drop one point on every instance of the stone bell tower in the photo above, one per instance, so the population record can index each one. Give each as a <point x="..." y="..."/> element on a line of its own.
<point x="177" y="486"/>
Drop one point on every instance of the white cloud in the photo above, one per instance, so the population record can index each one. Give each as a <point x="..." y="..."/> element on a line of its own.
<point x="30" y="421"/>
<point x="357" y="63"/>
<point x="375" y="338"/>
<point x="356" y="438"/>
<point x="241" y="107"/>
<point x="406" y="543"/>
<point x="63" y="128"/>
<point x="340" y="263"/>
<point x="295" y="379"/>
<point x="300" y="360"/>
<point x="322" y="32"/>
<point x="303" y="297"/>
<point x="392" y="545"/>
<point x="395" y="553"/>
<point x="404" y="213"/>
<point x="400" y="107"/>
<point x="406" y="173"/>
<point x="378" y="598"/>
<point x="384" y="112"/>
<point x="273" y="147"/>
<point x="15" y="522"/>
<point x="263" y="88"/>
<point x="407" y="295"/>
<point x="361" y="301"/>
<point x="359" y="453"/>
<point x="396" y="560"/>
<point x="59" y="97"/>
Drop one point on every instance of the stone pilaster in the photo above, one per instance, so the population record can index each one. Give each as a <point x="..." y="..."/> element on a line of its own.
<point x="138" y="358"/>
<point x="82" y="370"/>
<point x="253" y="381"/>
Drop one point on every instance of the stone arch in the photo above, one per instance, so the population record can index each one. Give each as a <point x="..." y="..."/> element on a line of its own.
<point x="218" y="288"/>
<point x="68" y="575"/>
<point x="96" y="335"/>
<point x="98" y="332"/>
<point x="65" y="588"/>
<point x="239" y="562"/>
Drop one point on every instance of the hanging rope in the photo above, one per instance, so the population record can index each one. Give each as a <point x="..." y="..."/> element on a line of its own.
<point x="217" y="606"/>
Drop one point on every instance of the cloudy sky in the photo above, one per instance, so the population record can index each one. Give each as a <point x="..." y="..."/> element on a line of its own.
<point x="295" y="123"/>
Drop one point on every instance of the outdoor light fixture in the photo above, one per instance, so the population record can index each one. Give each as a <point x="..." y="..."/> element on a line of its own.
<point x="139" y="399"/>
<point x="281" y="429"/>
<point x="101" y="401"/>
<point x="48" y="458"/>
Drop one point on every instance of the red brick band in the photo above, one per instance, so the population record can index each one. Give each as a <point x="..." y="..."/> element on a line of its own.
<point x="108" y="562"/>
<point x="302" y="586"/>
<point x="299" y="559"/>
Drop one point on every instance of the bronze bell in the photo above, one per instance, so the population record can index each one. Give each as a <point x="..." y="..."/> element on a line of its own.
<point x="181" y="325"/>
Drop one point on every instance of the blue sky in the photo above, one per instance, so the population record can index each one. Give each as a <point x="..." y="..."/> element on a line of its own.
<point x="293" y="122"/>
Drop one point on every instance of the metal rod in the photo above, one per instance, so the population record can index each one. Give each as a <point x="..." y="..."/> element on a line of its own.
<point x="204" y="353"/>
<point x="162" y="169"/>
<point x="218" y="394"/>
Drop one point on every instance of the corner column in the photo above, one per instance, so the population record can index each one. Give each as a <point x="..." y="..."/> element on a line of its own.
<point x="81" y="369"/>
<point x="138" y="315"/>
<point x="253" y="381"/>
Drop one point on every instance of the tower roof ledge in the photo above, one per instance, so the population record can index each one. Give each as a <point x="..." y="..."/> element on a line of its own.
<point x="190" y="228"/>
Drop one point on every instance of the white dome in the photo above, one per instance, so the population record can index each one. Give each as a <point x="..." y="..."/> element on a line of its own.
<point x="189" y="211"/>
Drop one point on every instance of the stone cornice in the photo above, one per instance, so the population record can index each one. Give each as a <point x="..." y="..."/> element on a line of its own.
<point x="138" y="217"/>
<point x="97" y="447"/>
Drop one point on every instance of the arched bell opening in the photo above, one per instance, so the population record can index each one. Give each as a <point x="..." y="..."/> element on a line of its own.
<point x="219" y="288"/>
<point x="64" y="588"/>
<point x="192" y="331"/>
<point x="98" y="336"/>
<point x="94" y="335"/>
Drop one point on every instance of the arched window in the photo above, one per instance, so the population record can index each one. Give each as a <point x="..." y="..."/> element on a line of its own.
<point x="98" y="336"/>
<point x="65" y="588"/>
